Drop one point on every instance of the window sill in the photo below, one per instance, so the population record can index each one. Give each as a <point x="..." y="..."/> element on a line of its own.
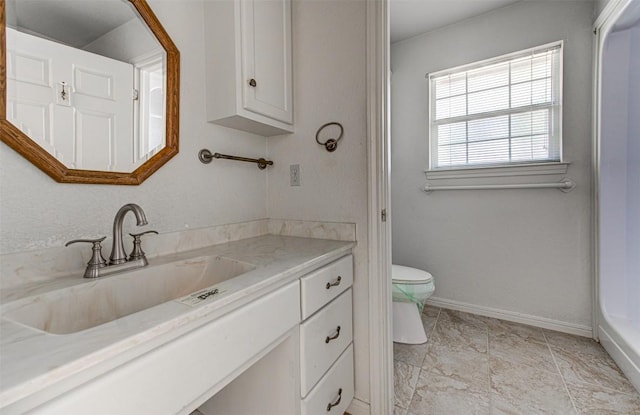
<point x="498" y="171"/>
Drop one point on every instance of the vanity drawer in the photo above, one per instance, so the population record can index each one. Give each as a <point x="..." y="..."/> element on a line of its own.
<point x="325" y="284"/>
<point x="335" y="388"/>
<point x="321" y="342"/>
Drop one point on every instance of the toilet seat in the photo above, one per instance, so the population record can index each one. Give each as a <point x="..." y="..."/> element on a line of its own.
<point x="407" y="275"/>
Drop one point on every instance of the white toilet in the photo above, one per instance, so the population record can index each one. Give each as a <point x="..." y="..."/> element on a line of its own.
<point x="411" y="288"/>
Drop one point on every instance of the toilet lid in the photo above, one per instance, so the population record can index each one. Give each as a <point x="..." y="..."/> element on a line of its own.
<point x="407" y="275"/>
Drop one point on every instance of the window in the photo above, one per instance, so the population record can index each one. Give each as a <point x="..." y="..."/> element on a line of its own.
<point x="502" y="111"/>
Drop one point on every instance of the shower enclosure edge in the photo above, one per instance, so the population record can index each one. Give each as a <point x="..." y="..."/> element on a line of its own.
<point x="619" y="337"/>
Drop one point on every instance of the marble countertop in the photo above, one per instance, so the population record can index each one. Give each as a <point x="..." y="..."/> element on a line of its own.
<point x="36" y="362"/>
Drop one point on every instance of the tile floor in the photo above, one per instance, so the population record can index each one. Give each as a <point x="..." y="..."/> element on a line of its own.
<point x="478" y="365"/>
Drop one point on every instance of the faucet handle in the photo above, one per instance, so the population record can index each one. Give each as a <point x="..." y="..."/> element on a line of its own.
<point x="90" y="241"/>
<point x="97" y="261"/>
<point x="137" y="252"/>
<point x="138" y="235"/>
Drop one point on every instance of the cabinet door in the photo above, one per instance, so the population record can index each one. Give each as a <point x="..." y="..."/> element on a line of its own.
<point x="266" y="58"/>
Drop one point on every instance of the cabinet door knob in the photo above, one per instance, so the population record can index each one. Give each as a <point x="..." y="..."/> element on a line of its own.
<point x="253" y="83"/>
<point x="337" y="402"/>
<point x="334" y="284"/>
<point x="335" y="336"/>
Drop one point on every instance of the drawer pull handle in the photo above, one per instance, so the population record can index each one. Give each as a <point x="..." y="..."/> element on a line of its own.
<point x="335" y="336"/>
<point x="334" y="284"/>
<point x="337" y="402"/>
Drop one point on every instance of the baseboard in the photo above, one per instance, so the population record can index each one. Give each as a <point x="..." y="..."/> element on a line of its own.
<point x="620" y="357"/>
<point x="545" y="323"/>
<point x="358" y="407"/>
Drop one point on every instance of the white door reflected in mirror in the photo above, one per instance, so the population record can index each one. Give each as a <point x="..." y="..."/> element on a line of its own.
<point x="94" y="101"/>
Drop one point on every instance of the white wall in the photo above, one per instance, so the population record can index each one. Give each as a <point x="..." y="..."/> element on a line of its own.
<point x="10" y="14"/>
<point x="36" y="212"/>
<point x="126" y="43"/>
<point x="329" y="85"/>
<point x="520" y="251"/>
<point x="599" y="6"/>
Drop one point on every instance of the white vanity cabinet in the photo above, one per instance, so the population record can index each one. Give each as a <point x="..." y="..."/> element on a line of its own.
<point x="248" y="65"/>
<point x="277" y="342"/>
<point x="324" y="380"/>
<point x="193" y="367"/>
<point x="326" y="337"/>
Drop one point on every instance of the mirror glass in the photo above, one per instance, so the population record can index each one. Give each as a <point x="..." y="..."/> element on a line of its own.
<point x="86" y="81"/>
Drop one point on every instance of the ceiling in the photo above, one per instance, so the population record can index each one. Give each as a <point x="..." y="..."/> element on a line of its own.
<point x="72" y="22"/>
<point x="413" y="17"/>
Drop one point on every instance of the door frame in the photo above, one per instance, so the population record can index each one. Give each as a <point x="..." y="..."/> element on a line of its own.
<point x="379" y="223"/>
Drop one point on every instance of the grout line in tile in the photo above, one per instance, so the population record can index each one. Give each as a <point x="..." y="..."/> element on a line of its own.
<point x="489" y="368"/>
<point x="425" y="354"/>
<point x="564" y="383"/>
<point x="413" y="392"/>
<point x="605" y="388"/>
<point x="435" y="323"/>
<point x="413" y="388"/>
<point x="421" y="369"/>
<point x="429" y="337"/>
<point x="433" y="329"/>
<point x="589" y="381"/>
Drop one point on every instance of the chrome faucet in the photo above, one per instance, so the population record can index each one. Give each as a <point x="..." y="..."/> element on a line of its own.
<point x="118" y="256"/>
<point x="118" y="261"/>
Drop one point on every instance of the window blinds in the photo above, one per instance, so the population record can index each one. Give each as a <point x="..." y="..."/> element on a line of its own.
<point x="501" y="111"/>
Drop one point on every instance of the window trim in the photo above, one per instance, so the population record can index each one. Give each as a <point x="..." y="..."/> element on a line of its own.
<point x="503" y="170"/>
<point x="531" y="164"/>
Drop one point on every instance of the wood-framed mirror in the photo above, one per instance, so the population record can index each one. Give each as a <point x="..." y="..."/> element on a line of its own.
<point x="96" y="101"/>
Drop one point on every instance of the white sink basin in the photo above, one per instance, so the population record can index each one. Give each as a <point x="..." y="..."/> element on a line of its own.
<point x="109" y="298"/>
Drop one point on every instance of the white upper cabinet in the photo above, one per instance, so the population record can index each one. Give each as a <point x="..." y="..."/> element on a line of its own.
<point x="248" y="64"/>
